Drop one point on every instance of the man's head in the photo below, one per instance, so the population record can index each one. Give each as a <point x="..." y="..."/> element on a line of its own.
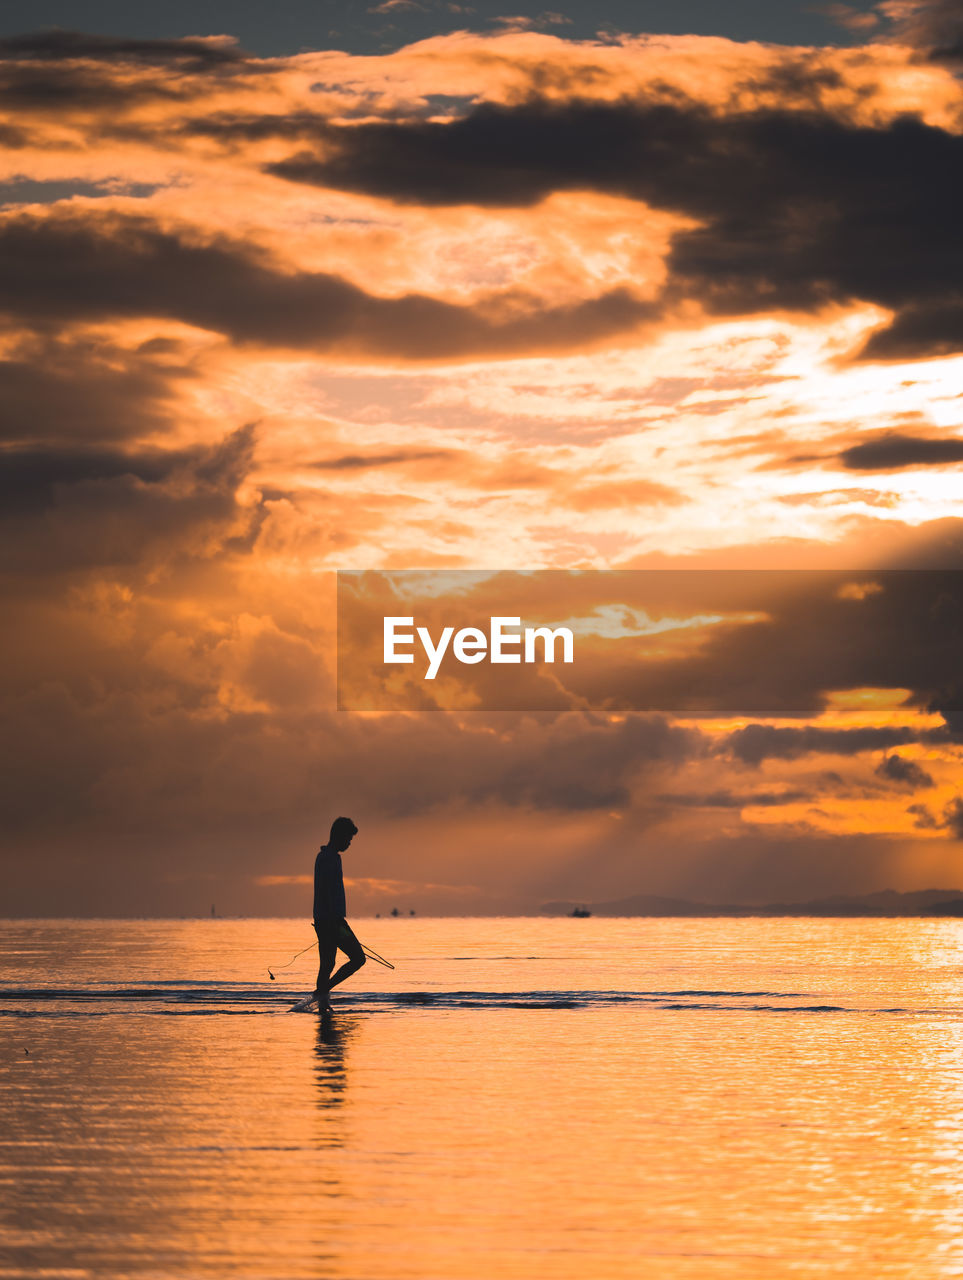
<point x="343" y="832"/>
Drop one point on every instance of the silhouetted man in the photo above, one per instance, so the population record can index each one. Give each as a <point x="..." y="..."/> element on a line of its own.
<point x="329" y="913"/>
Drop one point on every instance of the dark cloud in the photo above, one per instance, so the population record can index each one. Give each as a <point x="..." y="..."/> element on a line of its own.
<point x="820" y="633"/>
<point x="31" y="479"/>
<point x="505" y="156"/>
<point x="86" y="391"/>
<point x="796" y="80"/>
<point x="892" y="451"/>
<point x="55" y="71"/>
<point x="895" y="768"/>
<point x="63" y="267"/>
<point x="362" y="461"/>
<point x="570" y="763"/>
<point x="125" y="755"/>
<point x="58" y="45"/>
<point x="923" y="817"/>
<point x="758" y="742"/>
<point x="35" y="88"/>
<point x="797" y="209"/>
<point x="78" y="509"/>
<point x="950" y="820"/>
<point x="236" y="129"/>
<point x="84" y="87"/>
<point x="918" y="331"/>
<point x="13" y="138"/>
<point x="734" y="800"/>
<point x="953" y="817"/>
<point x="935" y="27"/>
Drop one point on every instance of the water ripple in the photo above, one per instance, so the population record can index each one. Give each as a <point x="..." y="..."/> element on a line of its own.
<point x="210" y="999"/>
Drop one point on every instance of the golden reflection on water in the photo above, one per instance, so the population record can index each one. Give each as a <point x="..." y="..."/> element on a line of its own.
<point x="778" y="1099"/>
<point x="604" y="1150"/>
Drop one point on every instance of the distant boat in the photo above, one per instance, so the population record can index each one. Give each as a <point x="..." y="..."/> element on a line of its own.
<point x="580" y="913"/>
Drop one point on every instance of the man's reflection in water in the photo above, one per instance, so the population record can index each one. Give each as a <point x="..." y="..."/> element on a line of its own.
<point x="330" y="1073"/>
<point x="326" y="1212"/>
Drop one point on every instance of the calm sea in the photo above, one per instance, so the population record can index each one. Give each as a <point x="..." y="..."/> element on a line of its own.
<point x="520" y="1099"/>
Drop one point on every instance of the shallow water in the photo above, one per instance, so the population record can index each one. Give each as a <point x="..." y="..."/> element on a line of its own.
<point x="518" y="1098"/>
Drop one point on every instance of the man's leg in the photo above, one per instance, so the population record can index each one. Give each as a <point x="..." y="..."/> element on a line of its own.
<point x="327" y="931"/>
<point x="352" y="948"/>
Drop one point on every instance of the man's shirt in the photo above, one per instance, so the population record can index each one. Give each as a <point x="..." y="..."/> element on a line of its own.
<point x="328" y="885"/>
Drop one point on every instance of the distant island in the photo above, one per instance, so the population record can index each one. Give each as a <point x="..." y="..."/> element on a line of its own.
<point x="887" y="902"/>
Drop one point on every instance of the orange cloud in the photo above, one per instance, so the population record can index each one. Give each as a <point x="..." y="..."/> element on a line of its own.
<point x="265" y="318"/>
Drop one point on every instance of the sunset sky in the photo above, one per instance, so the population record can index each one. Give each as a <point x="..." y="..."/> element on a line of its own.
<point x="297" y="288"/>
